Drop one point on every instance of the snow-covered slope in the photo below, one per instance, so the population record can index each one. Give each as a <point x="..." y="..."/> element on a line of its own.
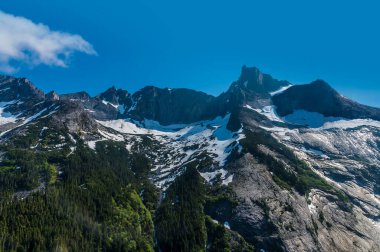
<point x="178" y="128"/>
<point x="7" y="117"/>
<point x="344" y="152"/>
<point x="178" y="145"/>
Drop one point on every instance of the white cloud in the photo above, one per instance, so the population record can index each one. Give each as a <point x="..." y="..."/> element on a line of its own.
<point x="21" y="40"/>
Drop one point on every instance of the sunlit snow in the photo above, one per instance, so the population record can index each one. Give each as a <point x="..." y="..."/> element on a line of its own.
<point x="349" y="124"/>
<point x="280" y="90"/>
<point x="267" y="111"/>
<point x="313" y="119"/>
<point x="6" y="117"/>
<point x="310" y="119"/>
<point x="209" y="136"/>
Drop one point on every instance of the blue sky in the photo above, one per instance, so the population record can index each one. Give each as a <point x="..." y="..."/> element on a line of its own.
<point x="203" y="44"/>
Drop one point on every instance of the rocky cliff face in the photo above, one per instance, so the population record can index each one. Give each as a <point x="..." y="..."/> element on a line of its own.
<point x="292" y="186"/>
<point x="20" y="101"/>
<point x="18" y="88"/>
<point x="116" y="96"/>
<point x="319" y="220"/>
<point x="320" y="97"/>
<point x="172" y="106"/>
<point x="252" y="79"/>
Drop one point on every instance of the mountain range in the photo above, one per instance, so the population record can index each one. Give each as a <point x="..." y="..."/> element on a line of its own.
<point x="265" y="166"/>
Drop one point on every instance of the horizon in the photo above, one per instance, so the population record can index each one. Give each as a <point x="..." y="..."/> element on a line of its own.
<point x="199" y="46"/>
<point x="189" y="125"/>
<point x="168" y="87"/>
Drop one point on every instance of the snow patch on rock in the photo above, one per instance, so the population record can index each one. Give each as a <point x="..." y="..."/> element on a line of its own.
<point x="309" y="119"/>
<point x="183" y="143"/>
<point x="6" y="117"/>
<point x="350" y="124"/>
<point x="267" y="111"/>
<point x="279" y="91"/>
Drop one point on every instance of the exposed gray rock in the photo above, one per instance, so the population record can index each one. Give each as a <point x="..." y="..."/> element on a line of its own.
<point x="74" y="117"/>
<point x="52" y="96"/>
<point x="12" y="88"/>
<point x="265" y="214"/>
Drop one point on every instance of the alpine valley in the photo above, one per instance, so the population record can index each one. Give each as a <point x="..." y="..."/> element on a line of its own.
<point x="264" y="166"/>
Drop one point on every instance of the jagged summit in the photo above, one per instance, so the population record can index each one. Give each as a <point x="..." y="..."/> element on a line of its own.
<point x="115" y="96"/>
<point x="82" y="95"/>
<point x="272" y="182"/>
<point x="181" y="105"/>
<point x="52" y="96"/>
<point x="253" y="79"/>
<point x="12" y="88"/>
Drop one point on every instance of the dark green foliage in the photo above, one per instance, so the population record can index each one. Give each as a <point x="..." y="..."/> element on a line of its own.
<point x="180" y="221"/>
<point x="284" y="178"/>
<point x="281" y="183"/>
<point x="25" y="170"/>
<point x="263" y="205"/>
<point x="130" y="227"/>
<point x="220" y="239"/>
<point x="217" y="237"/>
<point x="93" y="206"/>
<point x="43" y="133"/>
<point x="181" y="224"/>
<point x="220" y="202"/>
<point x="218" y="192"/>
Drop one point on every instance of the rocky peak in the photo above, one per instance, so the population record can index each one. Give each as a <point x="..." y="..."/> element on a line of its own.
<point x="153" y="91"/>
<point x="52" y="96"/>
<point x="115" y="96"/>
<point x="251" y="76"/>
<point x="79" y="96"/>
<point x="12" y="88"/>
<point x="253" y="79"/>
<point x="180" y="105"/>
<point x="266" y="201"/>
<point x="321" y="86"/>
<point x="253" y="87"/>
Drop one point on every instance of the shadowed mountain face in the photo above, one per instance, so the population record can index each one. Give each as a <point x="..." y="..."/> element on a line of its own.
<point x="19" y="98"/>
<point x="320" y="97"/>
<point x="170" y="106"/>
<point x="18" y="89"/>
<point x="178" y="105"/>
<point x="230" y="170"/>
<point x="252" y="79"/>
<point x="116" y="96"/>
<point x="252" y="87"/>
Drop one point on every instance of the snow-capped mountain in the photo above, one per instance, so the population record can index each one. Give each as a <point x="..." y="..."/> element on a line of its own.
<point x="21" y="103"/>
<point x="303" y="169"/>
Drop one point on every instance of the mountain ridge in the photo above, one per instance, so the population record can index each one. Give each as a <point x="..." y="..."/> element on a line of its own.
<point x="318" y="96"/>
<point x="252" y="88"/>
<point x="261" y="179"/>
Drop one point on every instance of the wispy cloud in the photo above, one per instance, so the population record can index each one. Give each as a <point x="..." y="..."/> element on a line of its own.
<point x="23" y="41"/>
